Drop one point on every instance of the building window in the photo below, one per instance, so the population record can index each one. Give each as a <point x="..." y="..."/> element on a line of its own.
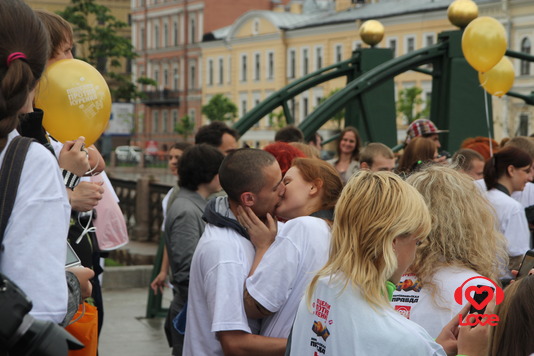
<point x="175" y="33"/>
<point x="210" y="71"/>
<point x="165" y="35"/>
<point x="243" y="107"/>
<point x="156" y="36"/>
<point x="429" y="40"/>
<point x="356" y="45"/>
<point x="221" y="71"/>
<point x="175" y="77"/>
<point x="142" y="39"/>
<point x="525" y="65"/>
<point x="166" y="78"/>
<point x="304" y="108"/>
<point x="257" y="64"/>
<point x="192" y="31"/>
<point x="270" y="65"/>
<point x="165" y="122"/>
<point x="410" y="44"/>
<point x="155" y="121"/>
<point x="156" y="75"/>
<point x="193" y="115"/>
<point x="192" y="75"/>
<point x="339" y="53"/>
<point x="174" y="120"/>
<point x="318" y="58"/>
<point x="305" y="61"/>
<point x="256" y="26"/>
<point x="291" y="66"/>
<point x="244" y="67"/>
<point x="392" y="44"/>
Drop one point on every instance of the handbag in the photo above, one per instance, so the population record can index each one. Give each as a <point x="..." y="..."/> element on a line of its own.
<point x="85" y="328"/>
<point x="111" y="231"/>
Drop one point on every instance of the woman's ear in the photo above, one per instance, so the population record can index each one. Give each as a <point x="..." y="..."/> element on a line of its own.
<point x="510" y="170"/>
<point x="315" y="187"/>
<point x="248" y="199"/>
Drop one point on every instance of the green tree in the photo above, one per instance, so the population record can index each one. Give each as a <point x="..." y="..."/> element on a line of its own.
<point x="339" y="117"/>
<point x="409" y="99"/>
<point x="220" y="108"/>
<point x="277" y="119"/>
<point x="185" y="126"/>
<point x="96" y="31"/>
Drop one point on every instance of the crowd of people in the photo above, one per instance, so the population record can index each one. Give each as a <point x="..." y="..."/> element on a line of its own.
<point x="275" y="251"/>
<point x="364" y="253"/>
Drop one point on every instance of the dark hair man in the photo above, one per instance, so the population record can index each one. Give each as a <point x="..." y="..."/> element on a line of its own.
<point x="219" y="135"/>
<point x="216" y="319"/>
<point x="198" y="169"/>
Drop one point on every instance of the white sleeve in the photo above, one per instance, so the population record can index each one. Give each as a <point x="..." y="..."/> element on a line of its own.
<point x="273" y="280"/>
<point x="223" y="285"/>
<point x="517" y="232"/>
<point x="36" y="234"/>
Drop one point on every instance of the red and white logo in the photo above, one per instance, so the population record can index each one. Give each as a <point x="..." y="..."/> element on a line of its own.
<point x="404" y="310"/>
<point x="479" y="296"/>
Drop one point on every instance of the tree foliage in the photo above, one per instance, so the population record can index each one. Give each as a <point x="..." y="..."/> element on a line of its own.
<point x="409" y="99"/>
<point x="96" y="31"/>
<point x="220" y="108"/>
<point x="277" y="119"/>
<point x="185" y="126"/>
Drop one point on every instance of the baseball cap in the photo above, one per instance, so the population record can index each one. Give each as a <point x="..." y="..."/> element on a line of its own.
<point x="422" y="127"/>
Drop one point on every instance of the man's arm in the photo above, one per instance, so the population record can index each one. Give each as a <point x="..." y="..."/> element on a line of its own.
<point x="253" y="308"/>
<point x="238" y="343"/>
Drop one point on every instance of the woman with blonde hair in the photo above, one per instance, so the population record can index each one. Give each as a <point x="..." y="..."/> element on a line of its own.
<point x="379" y="221"/>
<point x="463" y="243"/>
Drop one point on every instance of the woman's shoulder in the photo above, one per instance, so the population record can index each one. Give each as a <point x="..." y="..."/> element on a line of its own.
<point x="307" y="225"/>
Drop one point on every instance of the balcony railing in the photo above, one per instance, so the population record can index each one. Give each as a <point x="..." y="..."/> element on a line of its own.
<point x="161" y="97"/>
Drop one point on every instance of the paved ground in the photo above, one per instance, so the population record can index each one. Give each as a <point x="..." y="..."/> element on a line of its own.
<point x="126" y="331"/>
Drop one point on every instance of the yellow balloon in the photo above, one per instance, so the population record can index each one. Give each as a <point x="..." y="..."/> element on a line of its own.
<point x="484" y="43"/>
<point x="75" y="99"/>
<point x="499" y="79"/>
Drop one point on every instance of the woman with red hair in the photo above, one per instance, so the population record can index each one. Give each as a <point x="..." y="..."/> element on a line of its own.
<point x="284" y="154"/>
<point x="481" y="145"/>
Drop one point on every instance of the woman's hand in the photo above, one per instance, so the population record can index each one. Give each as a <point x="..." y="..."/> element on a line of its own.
<point x="261" y="234"/>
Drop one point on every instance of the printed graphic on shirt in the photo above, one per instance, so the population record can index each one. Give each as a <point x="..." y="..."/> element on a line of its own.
<point x="407" y="294"/>
<point x="404" y="310"/>
<point x="321" y="310"/>
<point x="320" y="330"/>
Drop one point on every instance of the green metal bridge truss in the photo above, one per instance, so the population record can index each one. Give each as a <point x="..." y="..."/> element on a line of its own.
<point x="457" y="101"/>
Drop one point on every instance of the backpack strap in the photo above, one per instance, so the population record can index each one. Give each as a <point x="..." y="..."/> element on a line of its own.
<point x="9" y="179"/>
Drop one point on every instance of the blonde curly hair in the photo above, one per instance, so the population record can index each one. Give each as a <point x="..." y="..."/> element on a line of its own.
<point x="464" y="232"/>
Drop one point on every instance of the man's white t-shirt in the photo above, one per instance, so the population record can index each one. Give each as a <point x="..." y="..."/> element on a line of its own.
<point x="433" y="312"/>
<point x="341" y="322"/>
<point x="220" y="265"/>
<point x="279" y="282"/>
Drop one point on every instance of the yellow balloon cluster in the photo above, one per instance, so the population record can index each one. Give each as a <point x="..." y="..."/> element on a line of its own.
<point x="499" y="79"/>
<point x="484" y="46"/>
<point x="484" y="43"/>
<point x="75" y="99"/>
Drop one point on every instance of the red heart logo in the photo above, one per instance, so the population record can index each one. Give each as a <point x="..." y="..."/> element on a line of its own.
<point x="479" y="290"/>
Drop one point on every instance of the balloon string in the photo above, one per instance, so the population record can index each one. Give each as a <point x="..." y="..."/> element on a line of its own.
<point x="488" y="122"/>
<point x="86" y="228"/>
<point x="96" y="165"/>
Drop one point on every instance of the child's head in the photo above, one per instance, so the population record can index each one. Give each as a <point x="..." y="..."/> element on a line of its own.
<point x="60" y="34"/>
